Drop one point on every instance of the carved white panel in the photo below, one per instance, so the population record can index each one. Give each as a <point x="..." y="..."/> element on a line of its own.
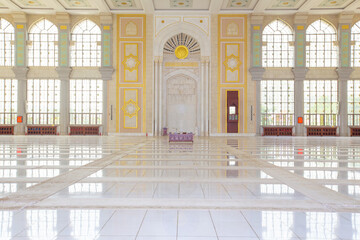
<point x="202" y="23"/>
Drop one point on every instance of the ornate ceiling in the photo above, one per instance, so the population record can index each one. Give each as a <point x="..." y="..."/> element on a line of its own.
<point x="182" y="6"/>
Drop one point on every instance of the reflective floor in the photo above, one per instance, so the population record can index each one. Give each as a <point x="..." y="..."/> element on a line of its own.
<point x="146" y="188"/>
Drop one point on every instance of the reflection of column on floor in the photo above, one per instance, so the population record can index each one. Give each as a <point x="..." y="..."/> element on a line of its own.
<point x="344" y="222"/>
<point x="298" y="163"/>
<point x="21" y="163"/>
<point x="343" y="157"/>
<point x="299" y="223"/>
<point x="64" y="164"/>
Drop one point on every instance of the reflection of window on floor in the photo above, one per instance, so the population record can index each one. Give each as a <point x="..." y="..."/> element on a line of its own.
<point x="317" y="155"/>
<point x="353" y="175"/>
<point x="46" y="156"/>
<point x="86" y="188"/>
<point x="276" y="225"/>
<point x="85" y="222"/>
<point x="355" y="225"/>
<point x="8" y="187"/>
<point x="264" y="175"/>
<point x="320" y="174"/>
<point x="276" y="189"/>
<point x="316" y="222"/>
<point x="6" y="219"/>
<point x="7" y="159"/>
<point x="333" y="187"/>
<point x="354" y="190"/>
<point x="41" y="223"/>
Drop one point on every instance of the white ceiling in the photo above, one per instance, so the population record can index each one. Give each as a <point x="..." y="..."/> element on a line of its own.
<point x="179" y="6"/>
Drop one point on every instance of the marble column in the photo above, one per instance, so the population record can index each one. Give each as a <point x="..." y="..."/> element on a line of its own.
<point x="156" y="98"/>
<point x="344" y="70"/>
<point x="299" y="71"/>
<point x="161" y="85"/>
<point x="207" y="100"/>
<point x="64" y="70"/>
<point x="256" y="69"/>
<point x="20" y="69"/>
<point x="202" y="91"/>
<point x="106" y="69"/>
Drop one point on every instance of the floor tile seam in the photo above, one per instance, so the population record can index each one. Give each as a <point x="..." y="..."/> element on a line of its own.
<point x="21" y="193"/>
<point x="256" y="234"/>
<point x="142" y="221"/>
<point x="262" y="163"/>
<point x="213" y="224"/>
<point x="105" y="223"/>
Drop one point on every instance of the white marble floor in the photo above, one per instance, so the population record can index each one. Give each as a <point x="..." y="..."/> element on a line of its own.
<point x="146" y="188"/>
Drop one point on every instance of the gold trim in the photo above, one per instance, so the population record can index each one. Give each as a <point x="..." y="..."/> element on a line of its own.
<point x="136" y="102"/>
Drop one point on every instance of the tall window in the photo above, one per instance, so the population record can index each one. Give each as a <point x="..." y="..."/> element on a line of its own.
<point x="43" y="102"/>
<point x="8" y="101"/>
<point x="322" y="49"/>
<point x="277" y="102"/>
<point x="354" y="102"/>
<point x="6" y="43"/>
<point x="43" y="49"/>
<point x="277" y="48"/>
<point x="320" y="102"/>
<point x="86" y="99"/>
<point x="86" y="50"/>
<point x="355" y="48"/>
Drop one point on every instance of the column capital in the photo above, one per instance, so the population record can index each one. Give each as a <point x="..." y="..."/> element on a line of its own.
<point x="256" y="19"/>
<point x="19" y="17"/>
<point x="299" y="73"/>
<point x="64" y="73"/>
<point x="106" y="18"/>
<point x="63" y="18"/>
<point x="205" y="59"/>
<point x="257" y="73"/>
<point x="20" y="73"/>
<point x="346" y="18"/>
<point x="344" y="73"/>
<point x="106" y="73"/>
<point x="300" y="18"/>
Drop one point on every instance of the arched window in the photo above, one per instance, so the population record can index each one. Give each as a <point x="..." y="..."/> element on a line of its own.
<point x="43" y="49"/>
<point x="86" y="49"/>
<point x="355" y="48"/>
<point x="322" y="48"/>
<point x="277" y="50"/>
<point x="6" y="43"/>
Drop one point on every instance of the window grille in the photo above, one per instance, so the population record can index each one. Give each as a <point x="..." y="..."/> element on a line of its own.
<point x="86" y="50"/>
<point x="277" y="102"/>
<point x="277" y="50"/>
<point x="353" y="102"/>
<point x="8" y="101"/>
<point x="43" y="48"/>
<point x="320" y="102"/>
<point x="355" y="47"/>
<point x="86" y="102"/>
<point x="321" y="49"/>
<point x="7" y="37"/>
<point x="43" y="102"/>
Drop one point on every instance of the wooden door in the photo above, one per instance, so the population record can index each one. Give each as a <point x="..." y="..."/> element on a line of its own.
<point x="232" y="112"/>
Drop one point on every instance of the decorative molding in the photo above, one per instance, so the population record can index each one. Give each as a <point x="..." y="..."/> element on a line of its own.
<point x="130" y="108"/>
<point x="106" y="73"/>
<point x="344" y="73"/>
<point x="64" y="72"/>
<point x="299" y="73"/>
<point x="257" y="73"/>
<point x="21" y="73"/>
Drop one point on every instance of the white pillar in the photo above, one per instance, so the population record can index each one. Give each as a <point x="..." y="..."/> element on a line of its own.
<point x="156" y="104"/>
<point x="258" y="108"/>
<point x="299" y="106"/>
<point x="105" y="107"/>
<point x="21" y="107"/>
<point x="207" y="131"/>
<point x="202" y="90"/>
<point x="160" y="96"/>
<point x="64" y="106"/>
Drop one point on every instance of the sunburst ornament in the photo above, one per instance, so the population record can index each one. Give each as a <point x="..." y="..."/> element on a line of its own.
<point x="131" y="63"/>
<point x="130" y="108"/>
<point x="232" y="63"/>
<point x="181" y="52"/>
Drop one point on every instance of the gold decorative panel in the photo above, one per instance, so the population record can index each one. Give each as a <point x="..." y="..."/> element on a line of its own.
<point x="130" y="74"/>
<point x="232" y="67"/>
